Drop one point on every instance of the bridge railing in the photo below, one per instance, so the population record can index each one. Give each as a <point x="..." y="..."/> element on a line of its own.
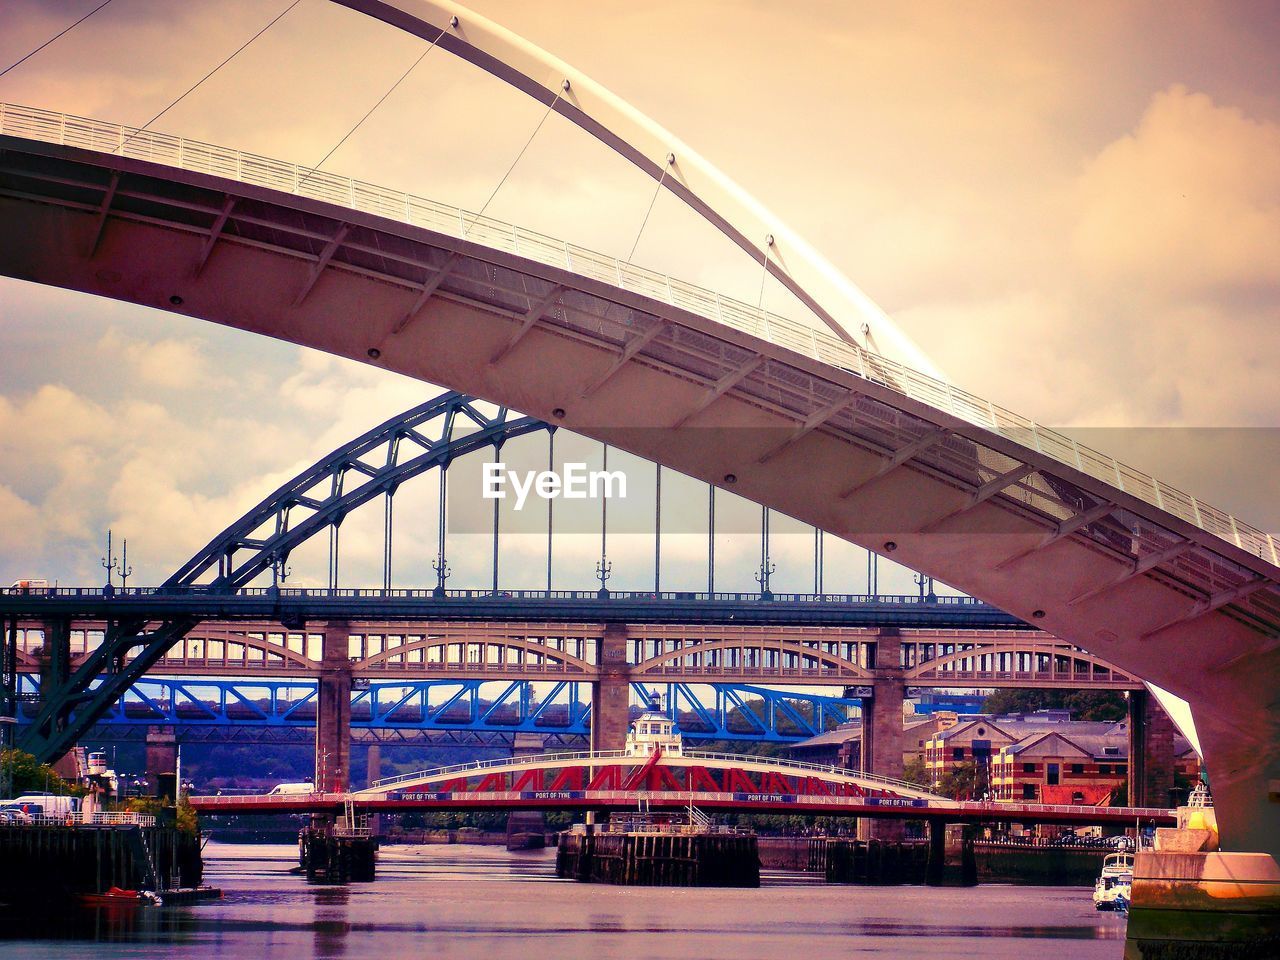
<point x="576" y="596"/>
<point x="98" y="818"/>
<point x="99" y="136"/>
<point x="479" y="766"/>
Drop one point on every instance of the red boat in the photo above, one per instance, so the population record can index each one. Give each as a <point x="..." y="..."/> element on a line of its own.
<point x="118" y="897"/>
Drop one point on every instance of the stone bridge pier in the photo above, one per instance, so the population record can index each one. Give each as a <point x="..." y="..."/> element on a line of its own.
<point x="162" y="761"/>
<point x="611" y="694"/>
<point x="333" y="711"/>
<point x="882" y="732"/>
<point x="1151" y="754"/>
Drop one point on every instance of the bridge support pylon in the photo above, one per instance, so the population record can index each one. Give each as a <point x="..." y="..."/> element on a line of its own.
<point x="55" y="666"/>
<point x="1151" y="755"/>
<point x="936" y="873"/>
<point x="333" y="711"/>
<point x="527" y="829"/>
<point x="611" y="694"/>
<point x="883" y="738"/>
<point x="162" y="760"/>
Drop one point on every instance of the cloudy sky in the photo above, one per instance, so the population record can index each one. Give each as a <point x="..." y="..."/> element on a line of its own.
<point x="1074" y="208"/>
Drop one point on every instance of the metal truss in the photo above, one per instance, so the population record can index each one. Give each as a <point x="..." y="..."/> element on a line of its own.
<point x="320" y="498"/>
<point x="747" y="712"/>
<point x="462" y="705"/>
<point x="459" y="710"/>
<point x="315" y="501"/>
<point x="305" y="736"/>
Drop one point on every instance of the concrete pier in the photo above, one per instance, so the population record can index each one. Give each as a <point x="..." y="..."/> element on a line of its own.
<point x="952" y="861"/>
<point x="162" y="761"/>
<point x="1191" y="900"/>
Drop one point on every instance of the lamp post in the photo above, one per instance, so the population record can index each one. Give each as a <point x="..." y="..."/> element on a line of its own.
<point x="441" y="566"/>
<point x="767" y="567"/>
<point x="109" y="563"/>
<point x="922" y="582"/>
<point x="123" y="568"/>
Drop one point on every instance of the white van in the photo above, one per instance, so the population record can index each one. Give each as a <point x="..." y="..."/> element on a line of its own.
<point x="51" y="805"/>
<point x="291" y="789"/>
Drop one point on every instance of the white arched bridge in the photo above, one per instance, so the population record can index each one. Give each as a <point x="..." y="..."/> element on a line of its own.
<point x="828" y="423"/>
<point x="616" y="780"/>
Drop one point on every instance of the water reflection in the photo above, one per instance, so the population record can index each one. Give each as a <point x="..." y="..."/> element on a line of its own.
<point x="481" y="901"/>
<point x="331" y="923"/>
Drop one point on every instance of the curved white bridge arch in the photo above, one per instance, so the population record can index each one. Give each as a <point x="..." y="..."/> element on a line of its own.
<point x="1100" y="555"/>
<point x="660" y="154"/>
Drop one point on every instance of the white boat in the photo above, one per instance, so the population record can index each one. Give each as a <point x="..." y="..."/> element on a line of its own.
<point x="1114" y="887"/>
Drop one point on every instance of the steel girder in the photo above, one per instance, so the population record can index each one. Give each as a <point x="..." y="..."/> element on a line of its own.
<point x="722" y="711"/>
<point x="264" y="536"/>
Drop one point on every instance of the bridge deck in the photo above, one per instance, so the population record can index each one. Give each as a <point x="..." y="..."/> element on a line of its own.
<point x="727" y="802"/>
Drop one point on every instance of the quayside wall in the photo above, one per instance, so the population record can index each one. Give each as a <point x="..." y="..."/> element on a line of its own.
<point x="47" y="863"/>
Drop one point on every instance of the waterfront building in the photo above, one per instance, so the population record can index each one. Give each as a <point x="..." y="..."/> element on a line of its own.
<point x="1062" y="767"/>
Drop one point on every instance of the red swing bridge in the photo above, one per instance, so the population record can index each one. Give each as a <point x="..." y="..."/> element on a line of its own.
<point x="619" y="780"/>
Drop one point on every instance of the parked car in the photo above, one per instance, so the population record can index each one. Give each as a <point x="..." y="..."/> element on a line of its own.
<point x="22" y="812"/>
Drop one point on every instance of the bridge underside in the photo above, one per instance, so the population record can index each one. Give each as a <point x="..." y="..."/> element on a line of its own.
<point x="977" y="507"/>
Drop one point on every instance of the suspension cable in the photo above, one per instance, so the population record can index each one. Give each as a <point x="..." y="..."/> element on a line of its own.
<point x="54" y="37"/>
<point x="764" y="270"/>
<point x="671" y="158"/>
<point x="191" y="88"/>
<point x="551" y="106"/>
<point x="361" y="121"/>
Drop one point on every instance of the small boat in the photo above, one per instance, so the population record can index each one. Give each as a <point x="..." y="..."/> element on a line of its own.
<point x="1114" y="887"/>
<point x="116" y="896"/>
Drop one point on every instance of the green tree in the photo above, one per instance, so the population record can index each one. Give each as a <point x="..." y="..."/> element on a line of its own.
<point x="188" y="822"/>
<point x="1104" y="705"/>
<point x="914" y="771"/>
<point x="19" y="768"/>
<point x="961" y="782"/>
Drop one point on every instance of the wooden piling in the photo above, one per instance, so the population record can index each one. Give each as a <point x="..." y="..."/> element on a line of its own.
<point x="326" y="858"/>
<point x="659" y="859"/>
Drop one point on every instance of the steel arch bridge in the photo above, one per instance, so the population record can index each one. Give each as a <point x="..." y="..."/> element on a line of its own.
<point x="1098" y="553"/>
<point x="316" y="501"/>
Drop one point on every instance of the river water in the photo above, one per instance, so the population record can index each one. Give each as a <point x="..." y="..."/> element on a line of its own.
<point x="483" y="902"/>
